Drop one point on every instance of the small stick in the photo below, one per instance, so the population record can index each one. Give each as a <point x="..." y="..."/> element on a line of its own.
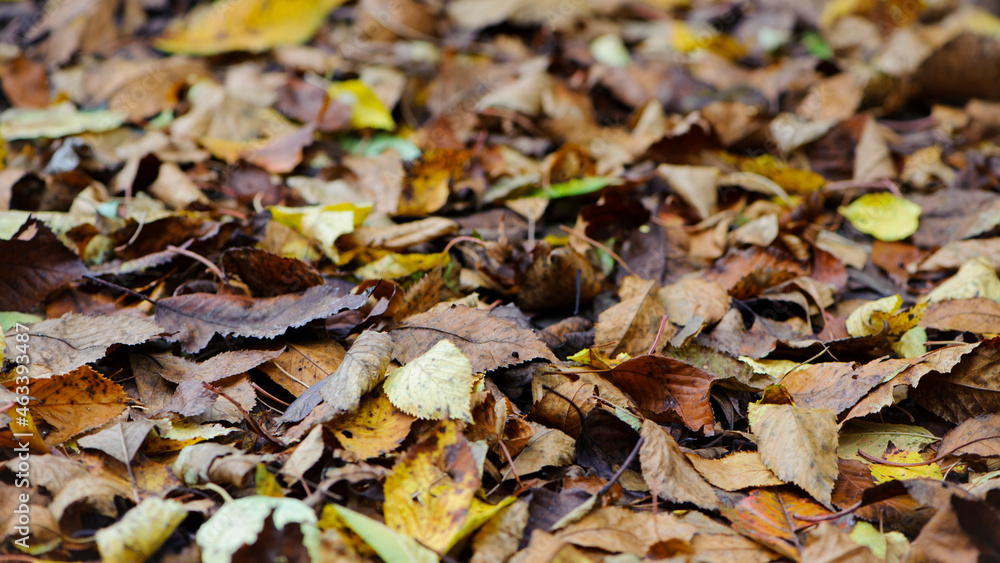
<point x="881" y="461"/>
<point x="194" y="256"/>
<point x="617" y="258"/>
<point x="256" y="428"/>
<point x="659" y="333"/>
<point x="628" y="461"/>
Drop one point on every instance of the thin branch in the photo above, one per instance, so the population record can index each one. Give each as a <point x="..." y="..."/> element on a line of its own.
<point x="194" y="256"/>
<point x="256" y="428"/>
<point x="581" y="236"/>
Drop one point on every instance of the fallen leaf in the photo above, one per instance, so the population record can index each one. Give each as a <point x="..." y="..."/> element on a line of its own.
<point x="76" y="402"/>
<point x="431" y="488"/>
<point x="769" y="516"/>
<point x="885" y="216"/>
<point x="436" y="385"/>
<point x="632" y="324"/>
<point x="34" y="263"/>
<point x="120" y="441"/>
<point x="375" y="428"/>
<point x="197" y="317"/>
<point x="799" y="445"/>
<point x="661" y="384"/>
<point x="142" y="531"/>
<point x="62" y="345"/>
<point x="244" y="25"/>
<point x="239" y="523"/>
<point x="61" y="120"/>
<point x="488" y="341"/>
<point x="741" y="470"/>
<point x="669" y="473"/>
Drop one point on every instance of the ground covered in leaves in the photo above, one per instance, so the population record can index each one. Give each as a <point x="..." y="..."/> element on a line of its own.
<point x="500" y="280"/>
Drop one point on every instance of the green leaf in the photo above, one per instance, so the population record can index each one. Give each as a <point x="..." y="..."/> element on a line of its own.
<point x="574" y="187"/>
<point x="389" y="544"/>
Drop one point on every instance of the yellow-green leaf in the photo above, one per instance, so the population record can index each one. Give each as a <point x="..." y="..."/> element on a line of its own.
<point x="435" y="386"/>
<point x="56" y="121"/>
<point x="885" y="216"/>
<point x="389" y="544"/>
<point x="325" y="223"/>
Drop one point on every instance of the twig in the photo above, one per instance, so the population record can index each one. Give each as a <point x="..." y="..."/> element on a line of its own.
<point x="628" y="461"/>
<point x="659" y="333"/>
<point x="261" y="390"/>
<point x="256" y="428"/>
<point x="881" y="461"/>
<point x="617" y="258"/>
<point x="194" y="256"/>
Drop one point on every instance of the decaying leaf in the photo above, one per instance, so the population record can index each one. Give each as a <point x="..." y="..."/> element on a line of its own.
<point x="199" y="316"/>
<point x="799" y="445"/>
<point x="669" y="473"/>
<point x="488" y="341"/>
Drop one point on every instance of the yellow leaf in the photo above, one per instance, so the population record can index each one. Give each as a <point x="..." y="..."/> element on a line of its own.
<point x="141" y="532"/>
<point x="434" y="386"/>
<point x="266" y="483"/>
<point x="430" y="490"/>
<point x="393" y="265"/>
<point x="375" y="428"/>
<point x="976" y="278"/>
<point x="792" y="180"/>
<point x="885" y="216"/>
<point x="367" y="111"/>
<point x="882" y="473"/>
<point x="245" y="25"/>
<point x="863" y="321"/>
<point x="430" y="181"/>
<point x="325" y="223"/>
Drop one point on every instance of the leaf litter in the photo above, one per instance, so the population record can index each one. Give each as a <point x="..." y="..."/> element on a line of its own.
<point x="499" y="281"/>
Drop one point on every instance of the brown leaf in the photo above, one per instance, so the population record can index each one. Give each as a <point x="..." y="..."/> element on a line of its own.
<point x="829" y="544"/>
<point x="59" y="346"/>
<point x="269" y="275"/>
<point x="76" y="402"/>
<point x="546" y="448"/>
<point x="964" y="530"/>
<point x="25" y="83"/>
<point x="490" y="342"/>
<point x="555" y="411"/>
<point x="902" y="512"/>
<point x="304" y="363"/>
<point x="839" y="385"/>
<point x="620" y="530"/>
<point x="941" y="360"/>
<point x="694" y="297"/>
<point x="551" y="280"/>
<point x="197" y="317"/>
<point x="668" y="473"/>
<point x="632" y="324"/>
<point x="660" y="384"/>
<point x="741" y="470"/>
<point x="979" y="315"/>
<point x="748" y="272"/>
<point x="121" y="440"/>
<point x="969" y="390"/>
<point x="221" y="366"/>
<point x="799" y="445"/>
<point x="33" y="263"/>
<point x="977" y="428"/>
